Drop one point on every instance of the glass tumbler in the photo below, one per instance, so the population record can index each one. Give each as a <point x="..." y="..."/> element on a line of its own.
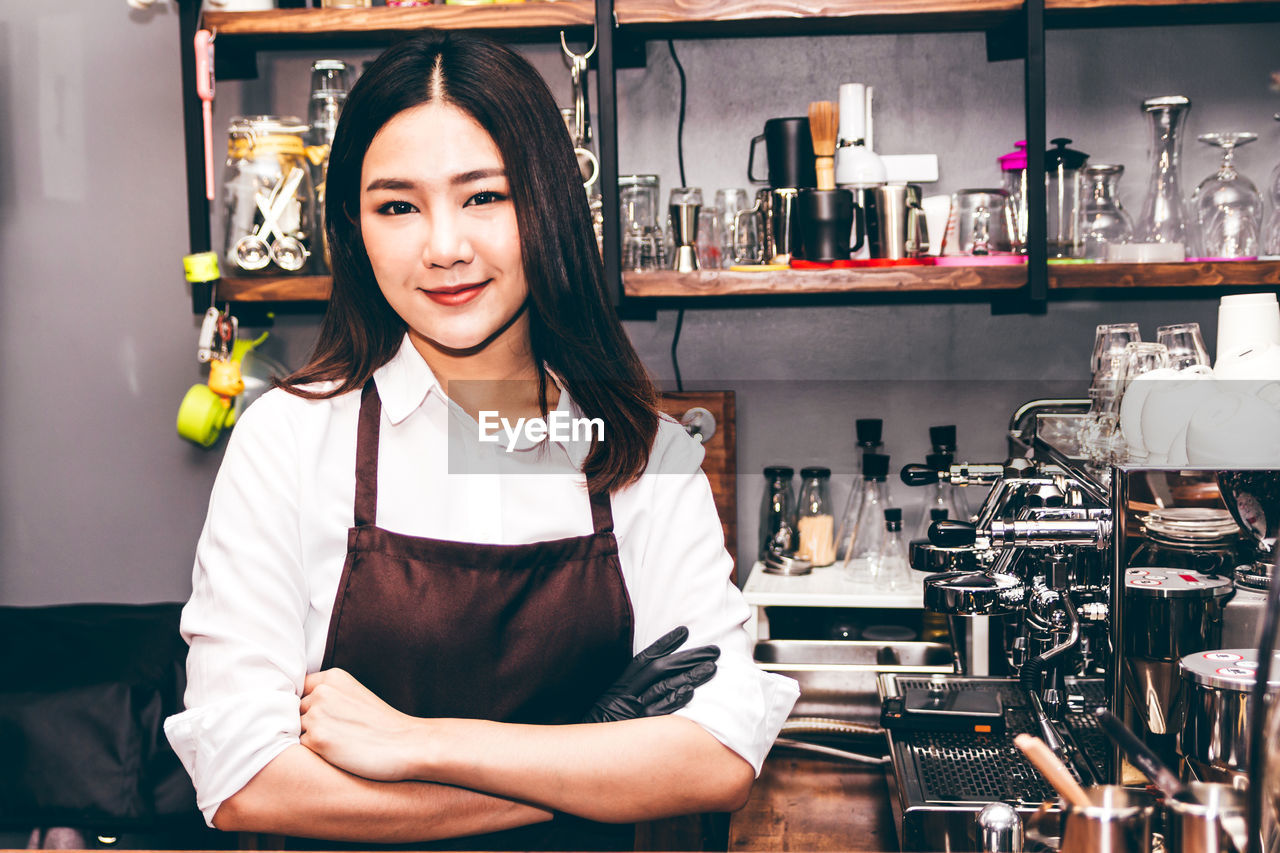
<point x="729" y="203"/>
<point x="1110" y="340"/>
<point x="641" y="238"/>
<point x="1185" y="345"/>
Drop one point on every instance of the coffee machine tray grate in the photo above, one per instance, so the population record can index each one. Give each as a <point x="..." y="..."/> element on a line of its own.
<point x="959" y="767"/>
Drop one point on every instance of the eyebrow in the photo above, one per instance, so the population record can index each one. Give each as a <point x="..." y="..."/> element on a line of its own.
<point x="456" y="180"/>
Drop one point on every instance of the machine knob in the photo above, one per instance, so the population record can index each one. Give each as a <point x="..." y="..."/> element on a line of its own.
<point x="949" y="533"/>
<point x="920" y="475"/>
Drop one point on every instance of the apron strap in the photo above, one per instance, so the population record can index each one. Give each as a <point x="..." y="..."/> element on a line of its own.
<point x="601" y="513"/>
<point x="367" y="456"/>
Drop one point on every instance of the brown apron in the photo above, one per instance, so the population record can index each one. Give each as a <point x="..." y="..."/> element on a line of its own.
<point x="515" y="633"/>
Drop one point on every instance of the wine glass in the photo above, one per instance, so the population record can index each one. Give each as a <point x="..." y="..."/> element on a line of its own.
<point x="1227" y="204"/>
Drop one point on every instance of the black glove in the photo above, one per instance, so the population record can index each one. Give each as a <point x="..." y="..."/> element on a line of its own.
<point x="656" y="682"/>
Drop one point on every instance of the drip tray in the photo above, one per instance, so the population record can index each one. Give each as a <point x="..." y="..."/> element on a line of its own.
<point x="941" y="779"/>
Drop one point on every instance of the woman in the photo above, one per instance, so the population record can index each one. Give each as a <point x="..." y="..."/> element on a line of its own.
<point x="447" y="646"/>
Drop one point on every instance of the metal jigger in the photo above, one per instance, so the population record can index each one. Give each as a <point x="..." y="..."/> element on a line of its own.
<point x="684" y="222"/>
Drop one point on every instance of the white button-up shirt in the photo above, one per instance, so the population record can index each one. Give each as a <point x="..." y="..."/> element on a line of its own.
<point x="274" y="543"/>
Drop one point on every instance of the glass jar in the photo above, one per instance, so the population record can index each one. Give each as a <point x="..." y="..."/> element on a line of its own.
<point x="269" y="200"/>
<point x="815" y="518"/>
<point x="777" y="513"/>
<point x="1193" y="538"/>
<point x="638" y="209"/>
<point x="1013" y="169"/>
<point x="1104" y="221"/>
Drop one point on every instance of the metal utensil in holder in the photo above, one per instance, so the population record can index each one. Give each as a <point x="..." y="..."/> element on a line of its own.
<point x="268" y="194"/>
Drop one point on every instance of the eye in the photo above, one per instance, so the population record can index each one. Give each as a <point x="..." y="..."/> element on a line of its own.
<point x="395" y="208"/>
<point x="485" y="197"/>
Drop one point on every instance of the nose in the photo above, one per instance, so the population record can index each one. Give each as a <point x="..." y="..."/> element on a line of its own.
<point x="447" y="241"/>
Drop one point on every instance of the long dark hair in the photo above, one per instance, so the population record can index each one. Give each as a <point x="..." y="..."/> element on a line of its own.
<point x="574" y="330"/>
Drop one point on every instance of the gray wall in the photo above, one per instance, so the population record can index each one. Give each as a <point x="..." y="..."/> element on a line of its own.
<point x="99" y="498"/>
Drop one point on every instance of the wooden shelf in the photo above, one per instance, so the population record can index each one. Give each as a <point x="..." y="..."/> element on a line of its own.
<point x="721" y="283"/>
<point x="1216" y="274"/>
<point x="865" y="280"/>
<point x="284" y="288"/>
<point x="383" y="24"/>
<point x="777" y="17"/>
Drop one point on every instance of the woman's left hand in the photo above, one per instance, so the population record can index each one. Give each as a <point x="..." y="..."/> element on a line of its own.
<point x="347" y="725"/>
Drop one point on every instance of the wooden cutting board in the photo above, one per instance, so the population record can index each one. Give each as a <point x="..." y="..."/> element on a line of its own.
<point x="721" y="462"/>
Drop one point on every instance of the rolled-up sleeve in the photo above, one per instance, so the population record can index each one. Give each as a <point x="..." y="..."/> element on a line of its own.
<point x="684" y="580"/>
<point x="245" y="620"/>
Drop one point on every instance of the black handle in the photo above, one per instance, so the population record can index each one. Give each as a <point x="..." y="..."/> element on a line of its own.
<point x="1143" y="758"/>
<point x="751" y="161"/>
<point x="953" y="534"/>
<point x="859" y="226"/>
<point x="919" y="475"/>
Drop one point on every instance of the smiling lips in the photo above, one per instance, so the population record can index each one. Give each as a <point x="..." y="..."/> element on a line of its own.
<point x="459" y="295"/>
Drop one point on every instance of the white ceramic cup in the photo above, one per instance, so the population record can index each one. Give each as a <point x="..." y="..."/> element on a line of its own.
<point x="937" y="210"/>
<point x="1132" y="406"/>
<point x="1167" y="409"/>
<point x="1253" y="363"/>
<point x="1245" y="320"/>
<point x="1234" y="430"/>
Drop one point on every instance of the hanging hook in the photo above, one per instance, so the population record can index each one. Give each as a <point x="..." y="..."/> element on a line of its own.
<point x="573" y="57"/>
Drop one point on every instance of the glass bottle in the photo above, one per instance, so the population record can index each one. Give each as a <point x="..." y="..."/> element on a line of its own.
<point x="890" y="562"/>
<point x="815" y="519"/>
<point x="868" y="431"/>
<point x="1164" y="213"/>
<point x="1103" y="221"/>
<point x="330" y="81"/>
<point x="863" y="541"/>
<point x="1013" y="168"/>
<point x="944" y="494"/>
<point x="777" y="523"/>
<point x="1062" y="167"/>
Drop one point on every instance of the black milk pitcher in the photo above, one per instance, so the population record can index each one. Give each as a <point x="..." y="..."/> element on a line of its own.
<point x="789" y="153"/>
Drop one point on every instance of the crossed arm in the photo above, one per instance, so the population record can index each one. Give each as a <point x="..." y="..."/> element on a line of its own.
<point x="366" y="772"/>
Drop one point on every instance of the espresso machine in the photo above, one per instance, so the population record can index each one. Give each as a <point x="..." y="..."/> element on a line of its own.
<point x="1071" y="589"/>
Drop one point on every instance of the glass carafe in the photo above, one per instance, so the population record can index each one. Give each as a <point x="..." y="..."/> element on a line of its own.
<point x="1062" y="167"/>
<point x="1104" y="221"/>
<point x="1164" y="213"/>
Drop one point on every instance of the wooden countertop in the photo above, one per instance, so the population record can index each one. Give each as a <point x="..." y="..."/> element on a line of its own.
<point x="809" y="802"/>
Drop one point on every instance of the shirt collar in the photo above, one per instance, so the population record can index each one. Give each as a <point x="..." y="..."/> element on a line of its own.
<point x="406" y="381"/>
